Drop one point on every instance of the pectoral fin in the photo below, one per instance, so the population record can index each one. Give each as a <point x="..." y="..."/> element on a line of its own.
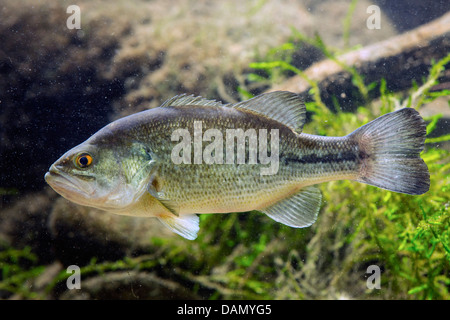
<point x="299" y="210"/>
<point x="155" y="188"/>
<point x="186" y="226"/>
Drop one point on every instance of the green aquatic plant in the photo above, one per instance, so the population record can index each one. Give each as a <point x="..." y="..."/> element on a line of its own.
<point x="8" y="191"/>
<point x="18" y="267"/>
<point x="347" y="22"/>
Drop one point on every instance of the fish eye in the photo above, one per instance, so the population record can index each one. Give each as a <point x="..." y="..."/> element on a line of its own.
<point x="83" y="160"/>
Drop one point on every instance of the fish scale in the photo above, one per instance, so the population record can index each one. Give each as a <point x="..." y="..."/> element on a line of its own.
<point x="235" y="186"/>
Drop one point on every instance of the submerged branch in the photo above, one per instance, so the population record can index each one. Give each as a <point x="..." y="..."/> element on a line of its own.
<point x="398" y="60"/>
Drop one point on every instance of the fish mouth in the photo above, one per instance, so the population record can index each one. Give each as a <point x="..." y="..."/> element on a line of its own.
<point x="71" y="188"/>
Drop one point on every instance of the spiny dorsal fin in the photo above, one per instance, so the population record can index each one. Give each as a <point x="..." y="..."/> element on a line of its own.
<point x="191" y="100"/>
<point x="282" y="106"/>
<point x="299" y="210"/>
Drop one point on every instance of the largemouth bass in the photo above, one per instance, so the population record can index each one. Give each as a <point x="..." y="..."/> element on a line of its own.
<point x="191" y="156"/>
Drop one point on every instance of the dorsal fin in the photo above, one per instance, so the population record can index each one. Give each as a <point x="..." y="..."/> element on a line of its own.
<point x="282" y="106"/>
<point x="191" y="100"/>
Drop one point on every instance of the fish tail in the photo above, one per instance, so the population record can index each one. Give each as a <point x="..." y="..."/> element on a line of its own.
<point x="389" y="150"/>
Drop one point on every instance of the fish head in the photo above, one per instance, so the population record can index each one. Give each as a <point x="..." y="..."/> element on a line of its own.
<point x="99" y="175"/>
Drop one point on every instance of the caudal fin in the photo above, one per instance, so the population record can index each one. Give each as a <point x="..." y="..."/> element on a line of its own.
<point x="390" y="149"/>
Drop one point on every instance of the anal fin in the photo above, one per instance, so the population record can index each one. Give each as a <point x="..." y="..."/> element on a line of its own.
<point x="299" y="210"/>
<point x="186" y="226"/>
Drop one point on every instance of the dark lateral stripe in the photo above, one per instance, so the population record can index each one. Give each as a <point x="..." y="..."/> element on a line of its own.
<point x="326" y="158"/>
